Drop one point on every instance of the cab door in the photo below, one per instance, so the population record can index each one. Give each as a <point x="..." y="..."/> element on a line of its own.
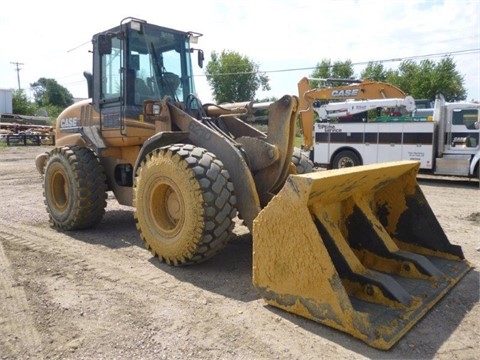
<point x="462" y="131"/>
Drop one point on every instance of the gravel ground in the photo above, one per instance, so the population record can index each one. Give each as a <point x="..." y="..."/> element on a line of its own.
<point x="99" y="294"/>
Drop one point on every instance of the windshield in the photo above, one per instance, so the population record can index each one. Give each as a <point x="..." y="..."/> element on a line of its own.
<point x="159" y="61"/>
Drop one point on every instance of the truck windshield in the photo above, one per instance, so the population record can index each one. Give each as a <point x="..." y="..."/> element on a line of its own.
<point x="467" y="117"/>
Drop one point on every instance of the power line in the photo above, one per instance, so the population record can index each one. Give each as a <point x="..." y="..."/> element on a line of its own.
<point x="79" y="46"/>
<point x="459" y="52"/>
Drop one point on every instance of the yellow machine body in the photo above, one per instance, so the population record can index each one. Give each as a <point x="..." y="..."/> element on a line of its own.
<point x="358" y="249"/>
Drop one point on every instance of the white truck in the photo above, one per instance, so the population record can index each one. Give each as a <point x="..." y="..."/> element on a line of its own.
<point x="446" y="143"/>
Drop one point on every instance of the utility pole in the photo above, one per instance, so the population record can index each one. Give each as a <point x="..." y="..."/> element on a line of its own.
<point x="17" y="65"/>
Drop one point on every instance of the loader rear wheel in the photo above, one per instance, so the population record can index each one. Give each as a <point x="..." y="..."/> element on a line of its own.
<point x="345" y="158"/>
<point x="184" y="204"/>
<point x="74" y="188"/>
<point x="301" y="161"/>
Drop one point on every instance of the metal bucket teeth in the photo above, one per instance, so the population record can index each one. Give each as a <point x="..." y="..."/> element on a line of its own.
<point x="357" y="249"/>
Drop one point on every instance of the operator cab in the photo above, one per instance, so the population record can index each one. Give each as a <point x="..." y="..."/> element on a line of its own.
<point x="137" y="61"/>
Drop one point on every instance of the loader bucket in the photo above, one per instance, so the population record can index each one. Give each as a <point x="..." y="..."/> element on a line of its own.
<point x="358" y="249"/>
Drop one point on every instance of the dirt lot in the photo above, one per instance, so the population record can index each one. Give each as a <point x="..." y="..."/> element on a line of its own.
<point x="98" y="294"/>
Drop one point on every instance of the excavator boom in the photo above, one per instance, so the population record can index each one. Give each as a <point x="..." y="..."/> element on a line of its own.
<point x="363" y="90"/>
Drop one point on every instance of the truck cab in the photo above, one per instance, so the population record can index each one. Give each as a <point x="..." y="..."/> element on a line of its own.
<point x="458" y="138"/>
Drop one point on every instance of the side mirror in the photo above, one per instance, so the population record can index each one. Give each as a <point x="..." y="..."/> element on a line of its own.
<point x="201" y="57"/>
<point x="104" y="44"/>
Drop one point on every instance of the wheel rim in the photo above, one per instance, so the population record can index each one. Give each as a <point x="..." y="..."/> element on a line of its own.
<point x="168" y="210"/>
<point x="184" y="204"/>
<point x="345" y="162"/>
<point x="59" y="189"/>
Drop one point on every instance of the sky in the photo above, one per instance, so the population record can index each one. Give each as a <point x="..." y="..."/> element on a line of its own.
<point x="286" y="38"/>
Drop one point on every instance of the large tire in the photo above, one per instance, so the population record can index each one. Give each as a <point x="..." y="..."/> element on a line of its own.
<point x="345" y="158"/>
<point x="74" y="188"/>
<point x="301" y="161"/>
<point x="184" y="204"/>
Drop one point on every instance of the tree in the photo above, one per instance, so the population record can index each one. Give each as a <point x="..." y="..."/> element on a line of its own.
<point x="448" y="81"/>
<point x="374" y="72"/>
<point x="326" y="70"/>
<point x="427" y="79"/>
<point x="21" y="105"/>
<point x="233" y="77"/>
<point x="423" y="80"/>
<point x="48" y="92"/>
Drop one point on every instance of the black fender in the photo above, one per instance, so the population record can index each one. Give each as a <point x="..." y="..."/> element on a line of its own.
<point x="158" y="140"/>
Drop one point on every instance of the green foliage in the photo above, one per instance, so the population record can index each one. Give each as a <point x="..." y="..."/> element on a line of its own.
<point x="422" y="81"/>
<point x="267" y="99"/>
<point x="233" y="77"/>
<point x="51" y="111"/>
<point x="448" y="81"/>
<point x="21" y="105"/>
<point x="374" y="72"/>
<point x="50" y="100"/>
<point x="326" y="70"/>
<point x="48" y="92"/>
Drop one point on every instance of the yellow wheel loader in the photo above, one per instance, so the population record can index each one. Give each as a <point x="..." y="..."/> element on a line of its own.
<point x="356" y="249"/>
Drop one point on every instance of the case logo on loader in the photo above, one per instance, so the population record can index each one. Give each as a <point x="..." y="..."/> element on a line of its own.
<point x="69" y="123"/>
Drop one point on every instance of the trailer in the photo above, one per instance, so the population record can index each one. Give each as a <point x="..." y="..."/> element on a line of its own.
<point x="446" y="143"/>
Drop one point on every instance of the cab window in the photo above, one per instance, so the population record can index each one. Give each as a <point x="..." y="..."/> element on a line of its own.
<point x="111" y="72"/>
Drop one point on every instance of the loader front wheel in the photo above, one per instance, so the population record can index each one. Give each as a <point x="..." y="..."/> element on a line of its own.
<point x="345" y="158"/>
<point x="184" y="204"/>
<point x="74" y="188"/>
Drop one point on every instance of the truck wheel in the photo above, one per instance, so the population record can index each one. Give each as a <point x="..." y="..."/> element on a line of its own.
<point x="184" y="204"/>
<point x="301" y="161"/>
<point x="344" y="159"/>
<point x="74" y="188"/>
